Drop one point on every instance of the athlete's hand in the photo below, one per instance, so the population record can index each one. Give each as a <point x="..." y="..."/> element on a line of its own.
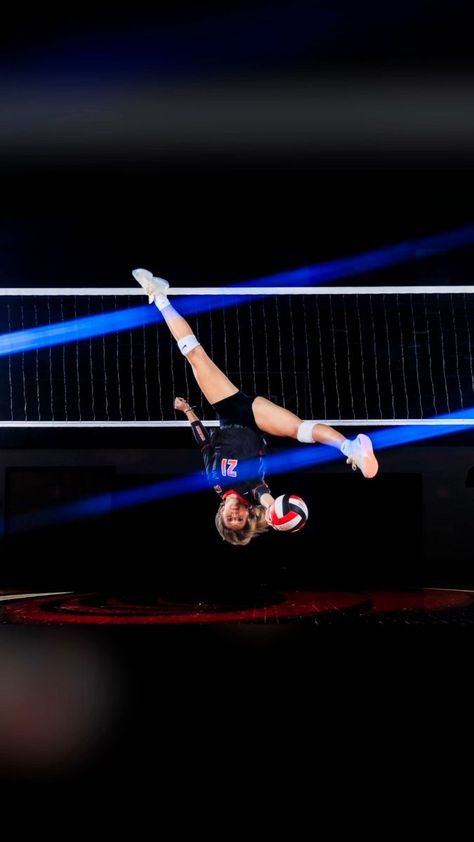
<point x="268" y="515"/>
<point x="181" y="405"/>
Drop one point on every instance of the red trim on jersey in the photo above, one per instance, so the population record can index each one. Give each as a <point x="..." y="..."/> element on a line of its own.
<point x="232" y="491"/>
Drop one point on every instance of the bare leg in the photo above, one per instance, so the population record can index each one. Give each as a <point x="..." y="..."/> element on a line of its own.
<point x="277" y="421"/>
<point x="214" y="384"/>
<point x="324" y="434"/>
<point x="178" y="325"/>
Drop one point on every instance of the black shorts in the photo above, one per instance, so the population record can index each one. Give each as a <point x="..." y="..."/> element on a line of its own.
<point x="236" y="410"/>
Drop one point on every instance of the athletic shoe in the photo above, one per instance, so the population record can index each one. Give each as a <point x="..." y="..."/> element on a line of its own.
<point x="152" y="286"/>
<point x="361" y="455"/>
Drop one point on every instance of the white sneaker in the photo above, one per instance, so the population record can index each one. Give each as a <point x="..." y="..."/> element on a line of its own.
<point x="152" y="286"/>
<point x="361" y="455"/>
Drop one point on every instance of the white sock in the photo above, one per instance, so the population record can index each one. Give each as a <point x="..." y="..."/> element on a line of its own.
<point x="161" y="301"/>
<point x="346" y="447"/>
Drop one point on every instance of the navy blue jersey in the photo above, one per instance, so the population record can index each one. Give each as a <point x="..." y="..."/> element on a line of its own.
<point x="233" y="459"/>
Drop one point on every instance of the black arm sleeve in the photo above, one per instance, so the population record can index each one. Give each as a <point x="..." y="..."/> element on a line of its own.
<point x="260" y="490"/>
<point x="201" y="436"/>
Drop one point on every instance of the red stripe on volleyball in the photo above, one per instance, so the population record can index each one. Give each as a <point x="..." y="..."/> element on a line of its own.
<point x="291" y="526"/>
<point x="288" y="518"/>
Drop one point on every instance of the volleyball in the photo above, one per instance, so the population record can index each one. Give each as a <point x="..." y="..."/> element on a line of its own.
<point x="289" y="513"/>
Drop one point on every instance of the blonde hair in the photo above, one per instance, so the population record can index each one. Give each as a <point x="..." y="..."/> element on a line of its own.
<point x="256" y="525"/>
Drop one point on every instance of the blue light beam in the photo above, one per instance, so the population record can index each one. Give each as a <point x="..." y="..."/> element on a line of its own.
<point x="46" y="336"/>
<point x="90" y="326"/>
<point x="395" y="436"/>
<point x="294" y="459"/>
<point x="346" y="267"/>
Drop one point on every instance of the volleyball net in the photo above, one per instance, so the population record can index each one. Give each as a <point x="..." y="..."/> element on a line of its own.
<point x="348" y="355"/>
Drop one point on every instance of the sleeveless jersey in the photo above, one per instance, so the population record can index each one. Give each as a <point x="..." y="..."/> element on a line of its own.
<point x="233" y="459"/>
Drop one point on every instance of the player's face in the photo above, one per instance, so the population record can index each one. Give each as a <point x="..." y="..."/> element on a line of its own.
<point x="235" y="514"/>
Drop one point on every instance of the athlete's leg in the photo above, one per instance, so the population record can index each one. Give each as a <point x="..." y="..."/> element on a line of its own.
<point x="274" y="419"/>
<point x="214" y="384"/>
<point x="277" y="421"/>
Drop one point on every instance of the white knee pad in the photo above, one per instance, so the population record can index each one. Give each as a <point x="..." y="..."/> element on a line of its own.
<point x="305" y="432"/>
<point x="187" y="344"/>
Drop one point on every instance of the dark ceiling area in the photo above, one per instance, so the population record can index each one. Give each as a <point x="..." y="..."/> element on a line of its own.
<point x="216" y="144"/>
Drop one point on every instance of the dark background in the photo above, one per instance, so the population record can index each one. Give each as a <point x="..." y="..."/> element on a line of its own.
<point x="219" y="143"/>
<point x="169" y="138"/>
<point x="359" y="535"/>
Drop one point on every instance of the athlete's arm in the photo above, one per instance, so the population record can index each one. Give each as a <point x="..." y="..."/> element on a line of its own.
<point x="263" y="496"/>
<point x="201" y="436"/>
<point x="266" y="500"/>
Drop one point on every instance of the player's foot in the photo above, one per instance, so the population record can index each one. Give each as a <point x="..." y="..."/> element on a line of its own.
<point x="153" y="287"/>
<point x="361" y="455"/>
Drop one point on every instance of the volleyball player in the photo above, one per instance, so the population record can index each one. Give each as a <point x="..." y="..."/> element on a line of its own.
<point x="247" y="504"/>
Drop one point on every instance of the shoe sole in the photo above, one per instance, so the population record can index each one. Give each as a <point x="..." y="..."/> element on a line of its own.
<point x="369" y="465"/>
